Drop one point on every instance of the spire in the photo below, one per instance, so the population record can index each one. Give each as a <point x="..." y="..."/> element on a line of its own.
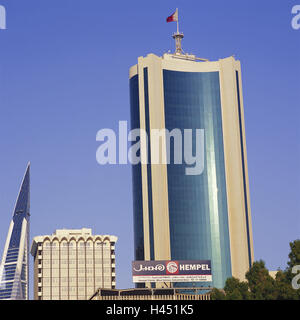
<point x="14" y="265"/>
<point x="22" y="203"/>
<point x="178" y="36"/>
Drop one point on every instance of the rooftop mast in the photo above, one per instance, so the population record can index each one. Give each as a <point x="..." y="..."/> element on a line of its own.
<point x="178" y="36"/>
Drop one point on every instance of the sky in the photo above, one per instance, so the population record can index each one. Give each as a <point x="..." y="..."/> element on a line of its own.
<point x="64" y="68"/>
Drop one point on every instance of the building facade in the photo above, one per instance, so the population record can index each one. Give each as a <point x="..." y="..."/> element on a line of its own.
<point x="14" y="265"/>
<point x="204" y="216"/>
<point x="72" y="264"/>
<point x="150" y="294"/>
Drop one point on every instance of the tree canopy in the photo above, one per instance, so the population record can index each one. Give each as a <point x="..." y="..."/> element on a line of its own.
<point x="259" y="285"/>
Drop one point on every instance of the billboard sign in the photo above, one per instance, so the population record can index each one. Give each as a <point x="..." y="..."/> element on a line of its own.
<point x="172" y="271"/>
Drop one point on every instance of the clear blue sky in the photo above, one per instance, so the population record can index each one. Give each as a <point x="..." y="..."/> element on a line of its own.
<point x="64" y="76"/>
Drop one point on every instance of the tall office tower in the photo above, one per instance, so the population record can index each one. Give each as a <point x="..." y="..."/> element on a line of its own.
<point x="73" y="264"/>
<point x="14" y="264"/>
<point x="182" y="214"/>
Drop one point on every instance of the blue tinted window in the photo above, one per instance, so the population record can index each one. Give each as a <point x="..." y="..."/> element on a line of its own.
<point x="198" y="204"/>
<point x="149" y="172"/>
<point x="136" y="175"/>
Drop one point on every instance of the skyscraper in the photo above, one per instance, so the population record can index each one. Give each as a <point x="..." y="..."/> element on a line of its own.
<point x="71" y="264"/>
<point x="14" y="264"/>
<point x="192" y="217"/>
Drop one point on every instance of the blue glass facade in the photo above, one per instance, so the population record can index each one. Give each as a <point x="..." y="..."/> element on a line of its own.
<point x="198" y="211"/>
<point x="10" y="278"/>
<point x="149" y="173"/>
<point x="198" y="203"/>
<point x="136" y="175"/>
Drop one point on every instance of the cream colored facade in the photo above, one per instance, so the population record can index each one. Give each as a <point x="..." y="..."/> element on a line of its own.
<point x="71" y="264"/>
<point x="237" y="184"/>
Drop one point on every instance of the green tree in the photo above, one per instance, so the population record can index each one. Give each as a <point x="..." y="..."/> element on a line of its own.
<point x="236" y="289"/>
<point x="283" y="289"/>
<point x="294" y="255"/>
<point x="260" y="282"/>
<point x="260" y="285"/>
<point x="217" y="294"/>
<point x="294" y="259"/>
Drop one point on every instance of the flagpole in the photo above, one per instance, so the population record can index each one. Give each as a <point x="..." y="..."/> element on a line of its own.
<point x="177" y="36"/>
<point x="177" y="21"/>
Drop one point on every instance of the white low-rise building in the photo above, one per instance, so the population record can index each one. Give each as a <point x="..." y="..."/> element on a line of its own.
<point x="71" y="264"/>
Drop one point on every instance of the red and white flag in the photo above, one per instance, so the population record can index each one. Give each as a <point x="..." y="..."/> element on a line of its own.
<point x="173" y="17"/>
